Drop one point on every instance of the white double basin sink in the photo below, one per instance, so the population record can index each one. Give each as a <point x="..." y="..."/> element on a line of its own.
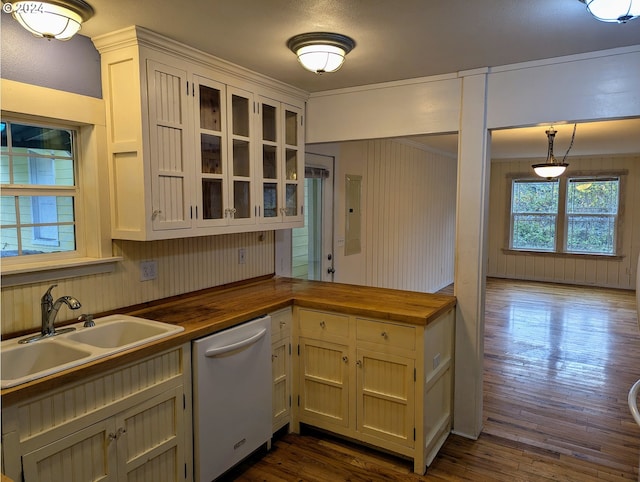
<point x="22" y="363"/>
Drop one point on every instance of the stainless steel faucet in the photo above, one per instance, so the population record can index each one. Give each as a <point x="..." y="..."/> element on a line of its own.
<point x="49" y="311"/>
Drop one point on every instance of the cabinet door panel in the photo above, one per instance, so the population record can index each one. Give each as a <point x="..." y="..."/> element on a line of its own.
<point x="211" y="152"/>
<point x="281" y="385"/>
<point x="150" y="444"/>
<point x="85" y="455"/>
<point x="169" y="148"/>
<point x="293" y="165"/>
<point x="324" y="392"/>
<point x="241" y="166"/>
<point x="385" y="396"/>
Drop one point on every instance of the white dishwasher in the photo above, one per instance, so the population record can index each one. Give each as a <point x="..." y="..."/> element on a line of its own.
<point x="231" y="396"/>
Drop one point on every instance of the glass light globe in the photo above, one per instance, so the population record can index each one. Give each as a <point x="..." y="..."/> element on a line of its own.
<point x="321" y="58"/>
<point x="47" y="20"/>
<point x="613" y="10"/>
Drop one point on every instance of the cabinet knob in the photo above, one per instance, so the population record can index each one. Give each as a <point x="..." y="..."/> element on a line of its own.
<point x="345" y="359"/>
<point x="116" y="436"/>
<point x="323" y="324"/>
<point x="155" y="214"/>
<point x="359" y="363"/>
<point x="283" y="324"/>
<point x="384" y="335"/>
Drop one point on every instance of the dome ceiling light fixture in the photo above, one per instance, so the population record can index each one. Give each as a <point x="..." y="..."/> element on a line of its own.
<point x="59" y="19"/>
<point x="619" y="11"/>
<point x="321" y="52"/>
<point x="552" y="168"/>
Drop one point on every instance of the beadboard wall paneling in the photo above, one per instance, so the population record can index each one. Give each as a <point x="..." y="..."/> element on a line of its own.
<point x="409" y="202"/>
<point x="184" y="265"/>
<point x="571" y="270"/>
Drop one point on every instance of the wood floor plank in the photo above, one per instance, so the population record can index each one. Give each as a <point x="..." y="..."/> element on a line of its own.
<point x="559" y="362"/>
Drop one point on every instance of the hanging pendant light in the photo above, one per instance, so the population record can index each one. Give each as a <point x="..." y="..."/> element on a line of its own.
<point x="321" y="52"/>
<point x="552" y="168"/>
<point x="619" y="11"/>
<point x="59" y="19"/>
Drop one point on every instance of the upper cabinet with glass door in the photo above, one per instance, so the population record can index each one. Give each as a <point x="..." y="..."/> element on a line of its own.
<point x="242" y="204"/>
<point x="212" y="205"/>
<point x="281" y="163"/>
<point x="193" y="148"/>
<point x="224" y="157"/>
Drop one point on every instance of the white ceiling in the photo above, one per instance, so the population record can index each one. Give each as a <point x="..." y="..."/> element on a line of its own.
<point x="395" y="40"/>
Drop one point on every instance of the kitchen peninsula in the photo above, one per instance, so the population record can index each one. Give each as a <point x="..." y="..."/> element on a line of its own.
<point x="372" y="364"/>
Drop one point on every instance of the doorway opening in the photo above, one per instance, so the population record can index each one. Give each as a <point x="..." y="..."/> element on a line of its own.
<point x="312" y="245"/>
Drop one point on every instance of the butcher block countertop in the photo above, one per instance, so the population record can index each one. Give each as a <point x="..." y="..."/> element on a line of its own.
<point x="205" y="312"/>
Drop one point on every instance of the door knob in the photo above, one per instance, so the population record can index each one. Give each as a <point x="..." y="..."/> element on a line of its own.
<point x="331" y="270"/>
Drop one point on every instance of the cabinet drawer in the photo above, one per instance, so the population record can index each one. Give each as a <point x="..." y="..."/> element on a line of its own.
<point x="318" y="323"/>
<point x="280" y="323"/>
<point x="387" y="334"/>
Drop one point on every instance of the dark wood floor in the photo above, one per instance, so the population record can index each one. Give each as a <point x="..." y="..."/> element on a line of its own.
<point x="559" y="362"/>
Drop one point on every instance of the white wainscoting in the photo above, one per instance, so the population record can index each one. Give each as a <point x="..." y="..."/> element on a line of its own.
<point x="184" y="265"/>
<point x="408" y="215"/>
<point x="572" y="270"/>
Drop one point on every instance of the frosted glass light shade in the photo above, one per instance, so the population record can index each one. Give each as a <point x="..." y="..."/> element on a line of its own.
<point x="549" y="170"/>
<point x="613" y="10"/>
<point x="321" y="58"/>
<point x="321" y="52"/>
<point x="60" y="19"/>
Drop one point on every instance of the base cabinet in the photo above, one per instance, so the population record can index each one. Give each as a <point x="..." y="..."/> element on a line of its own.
<point x="133" y="424"/>
<point x="385" y="397"/>
<point x="385" y="383"/>
<point x="281" y="321"/>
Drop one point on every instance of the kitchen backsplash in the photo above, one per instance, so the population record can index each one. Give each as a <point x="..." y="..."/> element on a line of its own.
<point x="183" y="265"/>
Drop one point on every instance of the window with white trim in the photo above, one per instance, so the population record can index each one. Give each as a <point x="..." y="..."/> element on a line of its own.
<point x="38" y="176"/>
<point x="592" y="215"/>
<point x="573" y="215"/>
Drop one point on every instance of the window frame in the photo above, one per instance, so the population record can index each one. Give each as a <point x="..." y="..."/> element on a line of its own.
<point x="616" y="216"/>
<point x="562" y="216"/>
<point x="28" y="103"/>
<point x="511" y="214"/>
<point x="74" y="191"/>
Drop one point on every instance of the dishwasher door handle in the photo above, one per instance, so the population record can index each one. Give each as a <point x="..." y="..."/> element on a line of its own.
<point x="213" y="352"/>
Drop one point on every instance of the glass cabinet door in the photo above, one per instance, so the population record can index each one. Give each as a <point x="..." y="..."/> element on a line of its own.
<point x="270" y="160"/>
<point x="294" y="173"/>
<point x="210" y="118"/>
<point x="241" y="205"/>
<point x="282" y="162"/>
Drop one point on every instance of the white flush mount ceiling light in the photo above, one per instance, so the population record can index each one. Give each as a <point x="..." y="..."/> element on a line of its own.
<point x="619" y="11"/>
<point x="59" y="19"/>
<point x="321" y="51"/>
<point x="552" y="168"/>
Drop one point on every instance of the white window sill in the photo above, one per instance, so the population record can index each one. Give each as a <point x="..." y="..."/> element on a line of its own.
<point x="555" y="254"/>
<point x="27" y="273"/>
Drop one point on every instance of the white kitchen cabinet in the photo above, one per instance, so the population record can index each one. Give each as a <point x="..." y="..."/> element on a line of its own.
<point x="386" y="381"/>
<point x="224" y="155"/>
<point x="131" y="423"/>
<point x="281" y="162"/>
<point x="186" y="146"/>
<point x="281" y="321"/>
<point x="170" y="171"/>
<point x="387" y="384"/>
<point x="323" y="369"/>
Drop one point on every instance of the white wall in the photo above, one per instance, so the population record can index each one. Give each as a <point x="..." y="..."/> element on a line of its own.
<point x="408" y="215"/>
<point x="583" y="271"/>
